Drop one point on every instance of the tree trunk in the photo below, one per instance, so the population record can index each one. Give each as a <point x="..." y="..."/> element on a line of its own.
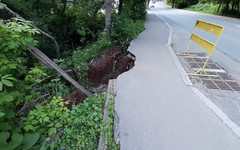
<point x="173" y="3"/>
<point x="220" y="5"/>
<point x="233" y="5"/>
<point x="147" y="4"/>
<point x="44" y="33"/>
<point x="108" y="5"/>
<point x="48" y="62"/>
<point x="227" y="4"/>
<point x="120" y="7"/>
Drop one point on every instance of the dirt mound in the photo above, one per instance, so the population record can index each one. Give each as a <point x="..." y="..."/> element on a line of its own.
<point x="75" y="97"/>
<point x="109" y="65"/>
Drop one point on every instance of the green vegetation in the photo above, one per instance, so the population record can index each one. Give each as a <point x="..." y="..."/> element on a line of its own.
<point x="33" y="113"/>
<point x="109" y="141"/>
<point x="208" y="8"/>
<point x="220" y="7"/>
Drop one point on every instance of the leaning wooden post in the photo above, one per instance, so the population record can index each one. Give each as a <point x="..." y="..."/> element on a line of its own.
<point x="48" y="62"/>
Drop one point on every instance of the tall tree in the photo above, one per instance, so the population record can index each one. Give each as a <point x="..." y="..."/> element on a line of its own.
<point x="108" y="5"/>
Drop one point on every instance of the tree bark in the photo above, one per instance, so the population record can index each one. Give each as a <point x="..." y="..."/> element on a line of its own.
<point x="147" y="4"/>
<point x="227" y="4"/>
<point x="48" y="62"/>
<point x="173" y="3"/>
<point x="44" y="33"/>
<point x="108" y="5"/>
<point x="220" y="5"/>
<point x="120" y="7"/>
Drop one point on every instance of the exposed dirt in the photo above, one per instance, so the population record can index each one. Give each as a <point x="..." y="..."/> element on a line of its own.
<point x="75" y="97"/>
<point x="108" y="65"/>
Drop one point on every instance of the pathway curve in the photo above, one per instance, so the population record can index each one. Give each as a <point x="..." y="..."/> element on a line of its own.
<point x="156" y="109"/>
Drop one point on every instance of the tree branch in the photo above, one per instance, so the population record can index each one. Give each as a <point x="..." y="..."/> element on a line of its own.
<point x="41" y="31"/>
<point x="48" y="62"/>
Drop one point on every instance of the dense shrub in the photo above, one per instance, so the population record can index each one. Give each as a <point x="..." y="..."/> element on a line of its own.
<point x="182" y="3"/>
<point x="125" y="29"/>
<point x="134" y="9"/>
<point x="33" y="114"/>
<point x="204" y="7"/>
<point x="15" y="34"/>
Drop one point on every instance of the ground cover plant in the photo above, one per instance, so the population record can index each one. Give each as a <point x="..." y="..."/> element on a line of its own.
<point x="39" y="109"/>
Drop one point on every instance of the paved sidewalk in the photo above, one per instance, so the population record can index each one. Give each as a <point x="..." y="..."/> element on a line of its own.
<point x="157" y="110"/>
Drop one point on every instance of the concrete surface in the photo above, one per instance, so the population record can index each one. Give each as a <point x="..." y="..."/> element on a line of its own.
<point x="226" y="54"/>
<point x="227" y="101"/>
<point x="229" y="41"/>
<point x="156" y="109"/>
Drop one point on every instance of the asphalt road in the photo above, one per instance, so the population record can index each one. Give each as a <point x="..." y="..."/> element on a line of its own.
<point x="229" y="42"/>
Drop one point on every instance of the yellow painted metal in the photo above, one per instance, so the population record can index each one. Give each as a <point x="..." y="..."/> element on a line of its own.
<point x="208" y="46"/>
<point x="209" y="27"/>
<point x="185" y="52"/>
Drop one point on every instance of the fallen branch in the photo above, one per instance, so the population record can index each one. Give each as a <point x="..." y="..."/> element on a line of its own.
<point x="44" y="33"/>
<point x="48" y="62"/>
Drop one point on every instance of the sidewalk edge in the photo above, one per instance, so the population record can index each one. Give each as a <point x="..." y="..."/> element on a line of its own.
<point x="174" y="57"/>
<point x="233" y="126"/>
<point x="226" y="120"/>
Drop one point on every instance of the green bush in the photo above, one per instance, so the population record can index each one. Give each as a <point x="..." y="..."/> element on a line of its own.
<point x="15" y="34"/>
<point x="182" y="3"/>
<point x="134" y="9"/>
<point x="109" y="139"/>
<point x="82" y="57"/>
<point x="48" y="120"/>
<point x="125" y="29"/>
<point x="204" y="7"/>
<point x="84" y="132"/>
<point x="20" y="86"/>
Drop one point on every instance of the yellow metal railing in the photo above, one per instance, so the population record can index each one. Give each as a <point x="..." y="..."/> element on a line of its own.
<point x="208" y="46"/>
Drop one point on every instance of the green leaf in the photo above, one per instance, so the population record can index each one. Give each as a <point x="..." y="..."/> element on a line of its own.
<point x="41" y="120"/>
<point x="1" y="86"/>
<point x="29" y="140"/>
<point x="4" y="126"/>
<point x="12" y="66"/>
<point x="28" y="127"/>
<point x="58" y="125"/>
<point x="3" y="137"/>
<point x="50" y="125"/>
<point x="34" y="122"/>
<point x="1" y="6"/>
<point x="46" y="119"/>
<point x="2" y="114"/>
<point x="4" y="77"/>
<point x="52" y="131"/>
<point x="52" y="146"/>
<point x="16" y="140"/>
<point x="7" y="83"/>
<point x="6" y="98"/>
<point x="59" y="94"/>
<point x="11" y="78"/>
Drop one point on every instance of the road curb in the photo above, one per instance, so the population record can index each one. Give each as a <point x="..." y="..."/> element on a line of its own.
<point x="233" y="126"/>
<point x="174" y="57"/>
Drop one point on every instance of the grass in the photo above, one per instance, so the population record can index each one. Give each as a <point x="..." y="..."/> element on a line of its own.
<point x="207" y="8"/>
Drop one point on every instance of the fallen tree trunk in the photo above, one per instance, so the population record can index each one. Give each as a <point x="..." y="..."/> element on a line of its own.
<point x="44" y="33"/>
<point x="48" y="62"/>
